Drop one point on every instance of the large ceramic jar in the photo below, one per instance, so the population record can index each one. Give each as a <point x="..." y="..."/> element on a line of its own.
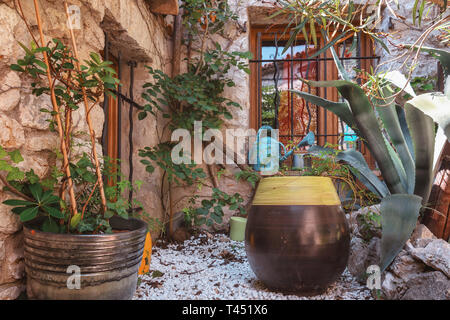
<point x="297" y="238"/>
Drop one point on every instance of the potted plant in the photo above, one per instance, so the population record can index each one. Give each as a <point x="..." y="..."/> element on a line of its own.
<point x="80" y="242"/>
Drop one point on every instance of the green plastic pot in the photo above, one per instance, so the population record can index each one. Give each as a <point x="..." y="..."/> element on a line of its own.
<point x="237" y="228"/>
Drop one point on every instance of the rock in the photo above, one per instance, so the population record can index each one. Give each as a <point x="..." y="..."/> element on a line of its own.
<point x="421" y="232"/>
<point x="365" y="222"/>
<point x="79" y="121"/>
<point x="36" y="161"/>
<point x="404" y="266"/>
<point x="362" y="255"/>
<point x="9" y="222"/>
<point x="9" y="99"/>
<point x="392" y="287"/>
<point x="428" y="286"/>
<point x="436" y="255"/>
<point x="42" y="141"/>
<point x="8" y="20"/>
<point x="12" y="264"/>
<point x="11" y="291"/>
<point x="10" y="81"/>
<point x="422" y="243"/>
<point x="30" y="115"/>
<point x="12" y="135"/>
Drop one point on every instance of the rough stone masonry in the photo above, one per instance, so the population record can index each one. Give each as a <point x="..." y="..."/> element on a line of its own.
<point x="138" y="35"/>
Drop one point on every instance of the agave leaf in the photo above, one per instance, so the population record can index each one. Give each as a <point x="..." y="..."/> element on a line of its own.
<point x="399" y="80"/>
<point x="341" y="109"/>
<point x="388" y="115"/>
<point x="356" y="160"/>
<point x="399" y="214"/>
<point x="342" y="72"/>
<point x="369" y="130"/>
<point x="435" y="105"/>
<point x="398" y="165"/>
<point x="422" y="127"/>
<point x="405" y="130"/>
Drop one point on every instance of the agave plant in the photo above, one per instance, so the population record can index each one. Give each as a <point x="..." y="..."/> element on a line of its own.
<point x="404" y="150"/>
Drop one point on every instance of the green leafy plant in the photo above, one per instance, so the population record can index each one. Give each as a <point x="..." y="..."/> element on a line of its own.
<point x="211" y="210"/>
<point x="248" y="175"/>
<point x="369" y="224"/>
<point x="56" y="71"/>
<point x="196" y="95"/>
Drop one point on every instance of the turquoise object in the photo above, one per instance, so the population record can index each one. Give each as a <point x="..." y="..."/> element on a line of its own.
<point x="265" y="152"/>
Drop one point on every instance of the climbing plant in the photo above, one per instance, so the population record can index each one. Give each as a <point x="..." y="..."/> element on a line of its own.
<point x="196" y="95"/>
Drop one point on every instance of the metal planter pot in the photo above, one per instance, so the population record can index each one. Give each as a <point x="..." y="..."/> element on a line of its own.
<point x="297" y="237"/>
<point x="108" y="263"/>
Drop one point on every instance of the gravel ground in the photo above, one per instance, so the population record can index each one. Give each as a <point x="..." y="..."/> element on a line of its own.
<point x="211" y="267"/>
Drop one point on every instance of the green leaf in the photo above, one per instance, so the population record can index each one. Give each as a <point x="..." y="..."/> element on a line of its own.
<point x="388" y="115"/>
<point x="75" y="220"/>
<point x="422" y="129"/>
<point x="36" y="191"/>
<point x="5" y="166"/>
<point x="399" y="214"/>
<point x="109" y="214"/>
<point x="405" y="130"/>
<point x="15" y="174"/>
<point x="53" y="212"/>
<point x="341" y="109"/>
<point x="342" y="72"/>
<point x="25" y="48"/>
<point x="40" y="64"/>
<point x="50" y="225"/>
<point x="414" y="11"/>
<point x="18" y="210"/>
<point x="3" y="153"/>
<point x="16" y="67"/>
<point x="142" y="115"/>
<point x="15" y="202"/>
<point x="29" y="214"/>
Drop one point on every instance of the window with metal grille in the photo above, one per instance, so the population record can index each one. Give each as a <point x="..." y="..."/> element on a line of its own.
<point x="275" y="71"/>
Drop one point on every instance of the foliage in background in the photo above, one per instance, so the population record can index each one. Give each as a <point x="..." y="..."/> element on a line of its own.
<point x="196" y="95"/>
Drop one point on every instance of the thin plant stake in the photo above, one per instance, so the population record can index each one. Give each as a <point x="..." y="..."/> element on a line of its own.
<point x="87" y="109"/>
<point x="57" y="115"/>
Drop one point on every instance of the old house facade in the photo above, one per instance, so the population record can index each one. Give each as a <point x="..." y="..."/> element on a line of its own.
<point x="130" y="34"/>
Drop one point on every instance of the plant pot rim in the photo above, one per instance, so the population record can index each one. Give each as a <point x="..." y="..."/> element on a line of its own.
<point x="133" y="226"/>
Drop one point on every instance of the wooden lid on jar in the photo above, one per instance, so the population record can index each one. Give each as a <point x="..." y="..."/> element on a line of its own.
<point x="300" y="190"/>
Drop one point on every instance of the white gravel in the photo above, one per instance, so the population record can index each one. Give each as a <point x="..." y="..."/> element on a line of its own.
<point x="212" y="267"/>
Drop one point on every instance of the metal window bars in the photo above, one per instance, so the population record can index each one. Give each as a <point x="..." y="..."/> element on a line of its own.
<point x="277" y="73"/>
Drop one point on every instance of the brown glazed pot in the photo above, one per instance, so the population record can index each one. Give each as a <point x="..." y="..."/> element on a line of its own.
<point x="108" y="263"/>
<point x="297" y="238"/>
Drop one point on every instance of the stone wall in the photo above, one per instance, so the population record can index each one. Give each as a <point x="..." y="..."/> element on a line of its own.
<point x="404" y="32"/>
<point x="139" y="34"/>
